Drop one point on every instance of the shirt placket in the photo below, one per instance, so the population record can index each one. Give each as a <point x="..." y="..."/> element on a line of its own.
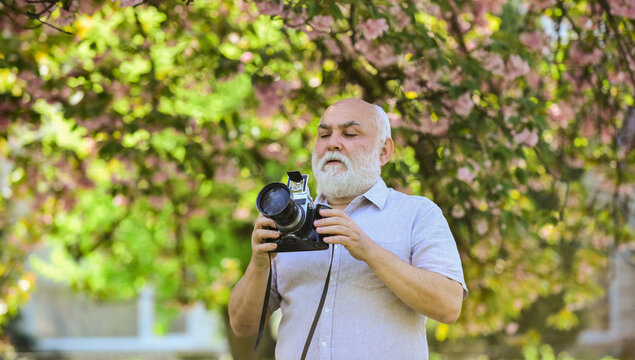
<point x="326" y="318"/>
<point x="325" y="332"/>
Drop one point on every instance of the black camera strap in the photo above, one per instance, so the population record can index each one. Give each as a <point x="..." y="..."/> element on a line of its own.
<point x="316" y="318"/>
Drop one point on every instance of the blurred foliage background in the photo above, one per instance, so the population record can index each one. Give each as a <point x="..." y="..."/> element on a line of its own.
<point x="135" y="136"/>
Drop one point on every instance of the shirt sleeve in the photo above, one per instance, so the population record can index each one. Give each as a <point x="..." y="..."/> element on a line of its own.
<point x="433" y="246"/>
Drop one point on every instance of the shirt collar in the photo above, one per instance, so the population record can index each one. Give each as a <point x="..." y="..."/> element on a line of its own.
<point x="377" y="194"/>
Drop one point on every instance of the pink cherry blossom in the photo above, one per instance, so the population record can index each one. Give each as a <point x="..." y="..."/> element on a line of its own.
<point x="532" y="40"/>
<point x="511" y="328"/>
<point x="240" y="5"/>
<point x="395" y="120"/>
<point x="120" y="201"/>
<point x="126" y="3"/>
<point x="271" y="8"/>
<point x="411" y="85"/>
<point x="5" y="109"/>
<point x="294" y="19"/>
<point x="274" y="151"/>
<point x="625" y="8"/>
<point x="332" y="46"/>
<point x="157" y="201"/>
<point x="227" y="172"/>
<point x="67" y="16"/>
<point x="314" y="35"/>
<point x="581" y="57"/>
<point x="526" y="137"/>
<point x="584" y="271"/>
<point x="403" y="19"/>
<point x="372" y="28"/>
<point x="479" y="12"/>
<point x="160" y="177"/>
<point x="457" y="211"/>
<point x="601" y="242"/>
<point x="481" y="226"/>
<point x="579" y="79"/>
<point x="492" y="6"/>
<point x="432" y="80"/>
<point x="516" y="67"/>
<point x="269" y="98"/>
<point x="380" y="56"/>
<point x="541" y="4"/>
<point x="427" y="126"/>
<point x="241" y="213"/>
<point x="383" y="55"/>
<point x="508" y="112"/>
<point x="431" y="8"/>
<point x="464" y="174"/>
<point x="533" y="79"/>
<point x="246" y="57"/>
<point x="218" y="142"/>
<point x="464" y="25"/>
<point x="561" y="113"/>
<point x="347" y="43"/>
<point x="494" y="64"/>
<point x="322" y="23"/>
<point x="463" y="105"/>
<point x="576" y="163"/>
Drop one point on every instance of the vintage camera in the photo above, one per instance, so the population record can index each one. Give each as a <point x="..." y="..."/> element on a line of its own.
<point x="291" y="208"/>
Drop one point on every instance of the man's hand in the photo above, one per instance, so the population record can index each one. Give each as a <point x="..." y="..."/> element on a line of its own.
<point x="264" y="230"/>
<point x="341" y="229"/>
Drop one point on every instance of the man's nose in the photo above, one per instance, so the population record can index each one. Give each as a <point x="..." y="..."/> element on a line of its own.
<point x="334" y="143"/>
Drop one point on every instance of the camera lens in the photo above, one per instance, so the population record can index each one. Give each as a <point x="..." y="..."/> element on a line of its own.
<point x="275" y="202"/>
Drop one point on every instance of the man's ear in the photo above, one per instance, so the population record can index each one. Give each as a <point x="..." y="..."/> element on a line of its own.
<point x="386" y="151"/>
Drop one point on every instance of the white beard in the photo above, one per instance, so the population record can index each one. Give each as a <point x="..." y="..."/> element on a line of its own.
<point x="351" y="177"/>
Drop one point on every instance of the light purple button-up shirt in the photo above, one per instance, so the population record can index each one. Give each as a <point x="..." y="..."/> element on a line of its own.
<point x="362" y="318"/>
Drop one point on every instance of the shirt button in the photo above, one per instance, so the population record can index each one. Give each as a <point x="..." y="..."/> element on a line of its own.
<point x="335" y="246"/>
<point x="323" y="343"/>
<point x="326" y="309"/>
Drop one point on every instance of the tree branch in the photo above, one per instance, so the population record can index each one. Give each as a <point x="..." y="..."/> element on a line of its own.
<point x="621" y="48"/>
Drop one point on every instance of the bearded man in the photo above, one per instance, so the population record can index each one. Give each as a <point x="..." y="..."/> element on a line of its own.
<point x="395" y="262"/>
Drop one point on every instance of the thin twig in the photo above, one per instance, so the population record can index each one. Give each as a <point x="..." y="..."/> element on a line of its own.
<point x="43" y="22"/>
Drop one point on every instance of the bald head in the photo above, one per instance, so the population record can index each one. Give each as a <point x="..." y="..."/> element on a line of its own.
<point x="360" y="109"/>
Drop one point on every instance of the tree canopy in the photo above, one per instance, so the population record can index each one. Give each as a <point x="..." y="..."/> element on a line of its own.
<point x="137" y="134"/>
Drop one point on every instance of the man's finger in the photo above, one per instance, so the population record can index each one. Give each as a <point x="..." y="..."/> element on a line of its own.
<point x="333" y="220"/>
<point x="332" y="212"/>
<point x="263" y="222"/>
<point x="342" y="240"/>
<point x="334" y="230"/>
<point x="264" y="234"/>
<point x="266" y="247"/>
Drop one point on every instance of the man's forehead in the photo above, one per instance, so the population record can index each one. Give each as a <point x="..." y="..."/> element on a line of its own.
<point x="346" y="115"/>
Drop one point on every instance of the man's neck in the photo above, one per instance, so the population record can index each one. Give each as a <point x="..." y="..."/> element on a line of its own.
<point x="340" y="203"/>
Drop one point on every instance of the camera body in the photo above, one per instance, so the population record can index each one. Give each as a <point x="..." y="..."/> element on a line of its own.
<point x="290" y="206"/>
